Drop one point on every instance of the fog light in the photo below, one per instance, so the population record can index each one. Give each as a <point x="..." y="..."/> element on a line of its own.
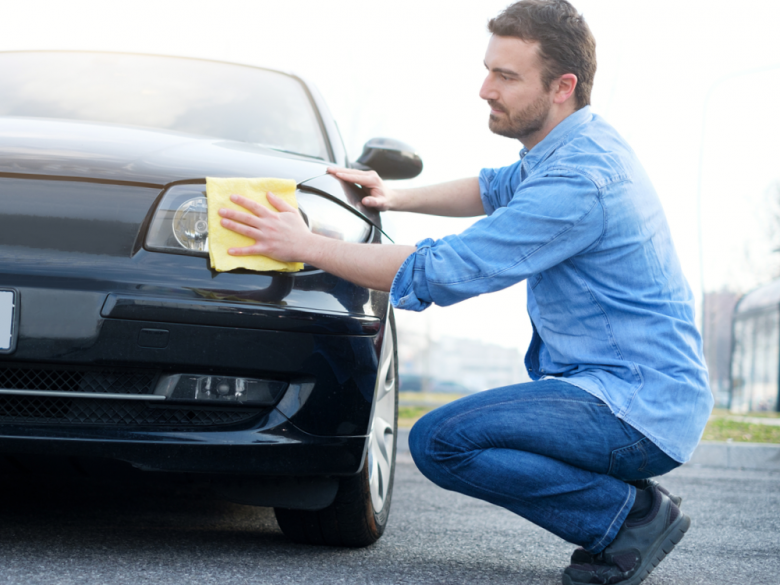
<point x="219" y="389"/>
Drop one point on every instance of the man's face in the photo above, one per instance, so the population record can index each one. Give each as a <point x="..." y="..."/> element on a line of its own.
<point x="519" y="103"/>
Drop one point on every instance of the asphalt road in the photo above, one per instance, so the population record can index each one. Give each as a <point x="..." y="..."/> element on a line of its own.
<point x="54" y="533"/>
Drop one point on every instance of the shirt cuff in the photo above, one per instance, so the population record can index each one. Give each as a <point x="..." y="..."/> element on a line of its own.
<point x="410" y="287"/>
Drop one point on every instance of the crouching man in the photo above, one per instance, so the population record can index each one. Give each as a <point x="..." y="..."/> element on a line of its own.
<point x="620" y="391"/>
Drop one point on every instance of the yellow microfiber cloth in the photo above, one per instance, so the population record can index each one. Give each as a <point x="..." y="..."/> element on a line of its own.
<point x="218" y="192"/>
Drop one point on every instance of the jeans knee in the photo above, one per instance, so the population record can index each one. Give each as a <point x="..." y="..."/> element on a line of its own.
<point x="418" y="440"/>
<point x="422" y="445"/>
<point x="433" y="449"/>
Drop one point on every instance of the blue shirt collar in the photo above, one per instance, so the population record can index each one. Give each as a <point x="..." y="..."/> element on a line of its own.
<point x="555" y="138"/>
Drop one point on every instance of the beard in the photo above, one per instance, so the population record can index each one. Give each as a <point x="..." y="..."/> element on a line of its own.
<point x="520" y="125"/>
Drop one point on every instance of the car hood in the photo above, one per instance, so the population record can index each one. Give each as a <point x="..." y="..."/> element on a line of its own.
<point x="139" y="156"/>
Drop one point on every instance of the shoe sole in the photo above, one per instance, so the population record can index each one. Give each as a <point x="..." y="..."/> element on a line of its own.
<point x="664" y="545"/>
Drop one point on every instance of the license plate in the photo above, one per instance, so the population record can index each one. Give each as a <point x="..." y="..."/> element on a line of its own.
<point x="9" y="318"/>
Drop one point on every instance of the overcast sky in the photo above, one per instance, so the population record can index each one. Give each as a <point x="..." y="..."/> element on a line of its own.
<point x="684" y="81"/>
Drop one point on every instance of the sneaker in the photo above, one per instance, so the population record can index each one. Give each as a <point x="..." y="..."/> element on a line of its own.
<point x="580" y="555"/>
<point x="637" y="549"/>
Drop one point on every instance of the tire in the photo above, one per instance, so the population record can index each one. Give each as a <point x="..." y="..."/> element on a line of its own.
<point x="358" y="516"/>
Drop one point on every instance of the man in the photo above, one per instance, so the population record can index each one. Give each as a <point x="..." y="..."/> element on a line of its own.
<point x="620" y="392"/>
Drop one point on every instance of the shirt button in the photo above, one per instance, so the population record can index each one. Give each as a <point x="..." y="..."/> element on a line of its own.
<point x="542" y="371"/>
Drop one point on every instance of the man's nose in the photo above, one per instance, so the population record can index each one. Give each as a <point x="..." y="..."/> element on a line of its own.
<point x="487" y="91"/>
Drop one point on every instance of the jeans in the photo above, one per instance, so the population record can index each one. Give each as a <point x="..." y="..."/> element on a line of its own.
<point x="547" y="451"/>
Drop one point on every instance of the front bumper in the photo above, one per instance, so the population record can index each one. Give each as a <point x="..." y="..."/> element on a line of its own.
<point x="273" y="447"/>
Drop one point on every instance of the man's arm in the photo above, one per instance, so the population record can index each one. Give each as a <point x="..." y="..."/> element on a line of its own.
<point x="369" y="265"/>
<point x="460" y="198"/>
<point x="284" y="236"/>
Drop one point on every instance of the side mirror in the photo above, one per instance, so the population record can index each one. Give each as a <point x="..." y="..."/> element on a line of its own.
<point x="391" y="159"/>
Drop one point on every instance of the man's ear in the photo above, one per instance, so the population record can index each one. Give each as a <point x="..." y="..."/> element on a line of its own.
<point x="564" y="88"/>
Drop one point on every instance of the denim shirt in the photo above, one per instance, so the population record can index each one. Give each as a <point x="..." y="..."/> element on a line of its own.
<point x="578" y="219"/>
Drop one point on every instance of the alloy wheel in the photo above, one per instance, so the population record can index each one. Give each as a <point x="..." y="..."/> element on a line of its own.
<point x="381" y="455"/>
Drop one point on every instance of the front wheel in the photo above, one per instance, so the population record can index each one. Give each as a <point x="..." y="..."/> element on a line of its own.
<point x="358" y="515"/>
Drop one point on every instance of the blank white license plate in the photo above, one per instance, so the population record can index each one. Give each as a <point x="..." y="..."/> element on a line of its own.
<point x="7" y="309"/>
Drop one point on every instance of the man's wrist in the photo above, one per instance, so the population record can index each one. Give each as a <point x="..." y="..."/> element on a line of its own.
<point x="315" y="249"/>
<point x="394" y="200"/>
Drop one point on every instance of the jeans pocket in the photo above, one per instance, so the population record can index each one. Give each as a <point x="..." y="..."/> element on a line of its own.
<point x="629" y="463"/>
<point x="640" y="460"/>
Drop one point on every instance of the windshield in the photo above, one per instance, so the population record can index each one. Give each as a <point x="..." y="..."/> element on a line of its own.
<point x="227" y="101"/>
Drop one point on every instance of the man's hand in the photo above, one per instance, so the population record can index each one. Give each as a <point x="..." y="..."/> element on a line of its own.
<point x="460" y="198"/>
<point x="380" y="196"/>
<point x="282" y="236"/>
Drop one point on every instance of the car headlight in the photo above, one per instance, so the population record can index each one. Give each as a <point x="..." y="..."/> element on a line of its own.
<point x="180" y="223"/>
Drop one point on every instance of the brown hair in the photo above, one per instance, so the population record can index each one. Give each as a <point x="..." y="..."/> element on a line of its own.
<point x="566" y="44"/>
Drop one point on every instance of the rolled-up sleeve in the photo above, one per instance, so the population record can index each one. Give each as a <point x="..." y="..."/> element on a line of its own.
<point x="548" y="220"/>
<point x="486" y="177"/>
<point x="497" y="186"/>
<point x="410" y="288"/>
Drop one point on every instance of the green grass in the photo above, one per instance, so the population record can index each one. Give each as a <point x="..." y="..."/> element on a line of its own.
<point x="408" y="415"/>
<point x="430" y="397"/>
<point x="723" y="429"/>
<point x="420" y="403"/>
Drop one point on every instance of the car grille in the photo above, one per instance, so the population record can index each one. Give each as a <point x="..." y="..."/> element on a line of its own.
<point x="92" y="381"/>
<point x="54" y="410"/>
<point x="83" y="411"/>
